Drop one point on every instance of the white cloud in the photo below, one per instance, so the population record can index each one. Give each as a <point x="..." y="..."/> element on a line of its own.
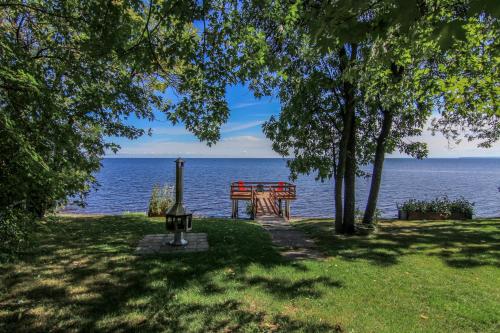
<point x="226" y="128"/>
<point x="258" y="146"/>
<point x="170" y="130"/>
<point x="248" y="139"/>
<point x="234" y="127"/>
<point x="240" y="146"/>
<point x="246" y="105"/>
<point x="439" y="146"/>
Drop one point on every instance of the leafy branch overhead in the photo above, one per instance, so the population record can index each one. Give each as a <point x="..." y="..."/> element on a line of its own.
<point x="72" y="72"/>
<point x="358" y="80"/>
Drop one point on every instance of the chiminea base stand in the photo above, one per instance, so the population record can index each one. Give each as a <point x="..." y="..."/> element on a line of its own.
<point x="178" y="240"/>
<point x="160" y="244"/>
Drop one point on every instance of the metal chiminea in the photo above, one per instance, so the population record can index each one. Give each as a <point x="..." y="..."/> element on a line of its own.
<point x="178" y="218"/>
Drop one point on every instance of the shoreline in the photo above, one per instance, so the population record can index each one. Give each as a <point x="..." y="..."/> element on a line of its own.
<point x="293" y="219"/>
<point x="194" y="215"/>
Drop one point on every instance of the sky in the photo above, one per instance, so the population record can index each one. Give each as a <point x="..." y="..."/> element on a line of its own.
<point x="242" y="136"/>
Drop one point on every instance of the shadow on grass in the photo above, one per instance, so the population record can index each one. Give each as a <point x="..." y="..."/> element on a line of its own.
<point x="287" y="289"/>
<point x="83" y="275"/>
<point x="460" y="244"/>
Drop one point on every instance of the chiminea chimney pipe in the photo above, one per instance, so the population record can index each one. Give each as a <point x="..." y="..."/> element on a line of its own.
<point x="179" y="187"/>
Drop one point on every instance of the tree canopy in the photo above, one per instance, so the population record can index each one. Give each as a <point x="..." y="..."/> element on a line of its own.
<point x="72" y="72"/>
<point x="373" y="72"/>
<point x="356" y="80"/>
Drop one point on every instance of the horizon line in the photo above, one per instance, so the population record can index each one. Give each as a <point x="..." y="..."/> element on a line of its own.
<point x="236" y="157"/>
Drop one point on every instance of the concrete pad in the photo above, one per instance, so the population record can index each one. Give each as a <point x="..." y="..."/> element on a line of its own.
<point x="159" y="244"/>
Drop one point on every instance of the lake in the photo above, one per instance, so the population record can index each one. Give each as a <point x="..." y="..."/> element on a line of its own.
<point x="126" y="183"/>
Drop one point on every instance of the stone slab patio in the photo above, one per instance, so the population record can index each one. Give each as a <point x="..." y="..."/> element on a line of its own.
<point x="158" y="244"/>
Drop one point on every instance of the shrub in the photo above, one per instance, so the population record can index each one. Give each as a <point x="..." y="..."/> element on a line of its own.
<point x="463" y="207"/>
<point x="249" y="209"/>
<point x="16" y="227"/>
<point x="413" y="205"/>
<point x="162" y="198"/>
<point x="441" y="205"/>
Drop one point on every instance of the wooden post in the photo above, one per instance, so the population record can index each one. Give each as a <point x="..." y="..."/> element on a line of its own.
<point x="287" y="209"/>
<point x="252" y="216"/>
<point x="280" y="210"/>
<point x="236" y="208"/>
<point x="232" y="200"/>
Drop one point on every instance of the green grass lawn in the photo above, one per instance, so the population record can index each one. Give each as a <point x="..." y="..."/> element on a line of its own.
<point x="409" y="277"/>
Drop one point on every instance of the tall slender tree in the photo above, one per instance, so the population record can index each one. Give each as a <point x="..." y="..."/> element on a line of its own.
<point x="393" y="76"/>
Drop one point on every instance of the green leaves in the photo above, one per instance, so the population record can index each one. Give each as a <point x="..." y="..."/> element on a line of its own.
<point x="467" y="83"/>
<point x="71" y="72"/>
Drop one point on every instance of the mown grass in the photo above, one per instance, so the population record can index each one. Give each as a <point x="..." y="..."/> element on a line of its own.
<point x="410" y="276"/>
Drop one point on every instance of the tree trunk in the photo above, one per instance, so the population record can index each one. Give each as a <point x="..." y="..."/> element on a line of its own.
<point x="339" y="179"/>
<point x="348" y="92"/>
<point x="378" y="165"/>
<point x="344" y="141"/>
<point x="350" y="181"/>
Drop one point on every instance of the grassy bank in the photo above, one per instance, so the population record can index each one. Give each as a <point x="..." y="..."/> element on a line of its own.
<point x="410" y="276"/>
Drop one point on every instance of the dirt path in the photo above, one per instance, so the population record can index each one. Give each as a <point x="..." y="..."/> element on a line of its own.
<point x="293" y="243"/>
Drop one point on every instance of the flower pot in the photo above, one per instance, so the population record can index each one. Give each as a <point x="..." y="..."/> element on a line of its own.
<point x="460" y="216"/>
<point x="405" y="215"/>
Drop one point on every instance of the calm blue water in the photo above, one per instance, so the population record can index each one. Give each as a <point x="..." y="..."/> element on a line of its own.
<point x="126" y="184"/>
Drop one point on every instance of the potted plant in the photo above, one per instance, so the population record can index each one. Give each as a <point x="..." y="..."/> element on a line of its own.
<point x="461" y="209"/>
<point x="436" y="209"/>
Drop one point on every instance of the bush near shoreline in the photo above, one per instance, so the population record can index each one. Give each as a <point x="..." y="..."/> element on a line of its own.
<point x="440" y="208"/>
